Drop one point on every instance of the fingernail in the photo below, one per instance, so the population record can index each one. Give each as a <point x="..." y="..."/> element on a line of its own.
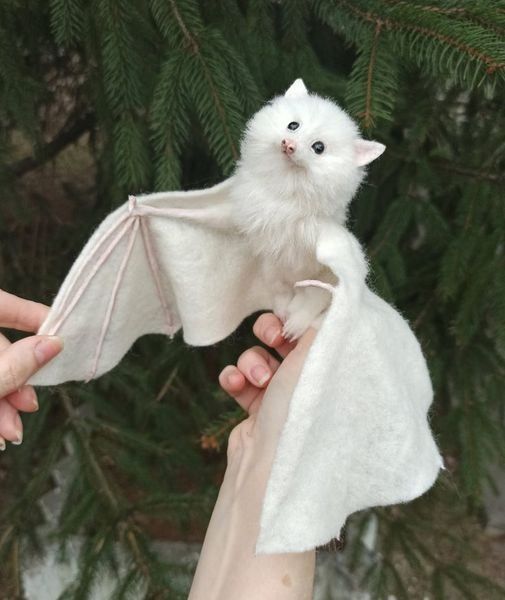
<point x="2" y="444"/>
<point x="32" y="397"/>
<point x="19" y="438"/>
<point x="271" y="334"/>
<point x="47" y="348"/>
<point x="260" y="374"/>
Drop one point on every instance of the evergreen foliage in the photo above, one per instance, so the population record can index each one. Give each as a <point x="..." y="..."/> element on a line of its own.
<point x="158" y="93"/>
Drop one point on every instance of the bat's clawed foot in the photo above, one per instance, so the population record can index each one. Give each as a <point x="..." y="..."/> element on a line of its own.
<point x="297" y="324"/>
<point x="306" y="309"/>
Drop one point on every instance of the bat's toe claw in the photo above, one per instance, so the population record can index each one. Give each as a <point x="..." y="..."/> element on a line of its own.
<point x="294" y="327"/>
<point x="299" y="321"/>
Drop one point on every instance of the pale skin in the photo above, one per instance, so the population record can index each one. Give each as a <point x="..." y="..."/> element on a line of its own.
<point x="19" y="361"/>
<point x="228" y="567"/>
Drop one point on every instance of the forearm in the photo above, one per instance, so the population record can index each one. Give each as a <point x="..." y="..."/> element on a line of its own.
<point x="228" y="568"/>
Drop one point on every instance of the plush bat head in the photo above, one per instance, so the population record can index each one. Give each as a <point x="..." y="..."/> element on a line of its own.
<point x="306" y="146"/>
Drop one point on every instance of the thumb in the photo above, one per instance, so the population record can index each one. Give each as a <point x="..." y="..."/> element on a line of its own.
<point x="22" y="359"/>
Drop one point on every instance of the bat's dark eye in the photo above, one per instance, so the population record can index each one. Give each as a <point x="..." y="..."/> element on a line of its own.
<point x="293" y="125"/>
<point x="318" y="147"/>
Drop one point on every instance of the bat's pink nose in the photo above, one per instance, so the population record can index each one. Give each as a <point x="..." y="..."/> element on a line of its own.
<point x="288" y="147"/>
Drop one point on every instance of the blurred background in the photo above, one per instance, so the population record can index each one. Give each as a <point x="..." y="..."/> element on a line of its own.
<point x="110" y="493"/>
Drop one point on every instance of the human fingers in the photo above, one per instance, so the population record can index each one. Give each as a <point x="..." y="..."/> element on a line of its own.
<point x="11" y="428"/>
<point x="238" y="387"/>
<point x="18" y="313"/>
<point x="24" y="399"/>
<point x="257" y="365"/>
<point x="268" y="329"/>
<point x="4" y="342"/>
<point x="22" y="359"/>
<point x="245" y="382"/>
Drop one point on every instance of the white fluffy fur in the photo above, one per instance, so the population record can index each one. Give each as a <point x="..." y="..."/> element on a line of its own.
<point x="280" y="201"/>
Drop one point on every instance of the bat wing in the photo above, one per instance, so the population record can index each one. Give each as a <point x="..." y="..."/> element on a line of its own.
<point x="357" y="433"/>
<point x="160" y="262"/>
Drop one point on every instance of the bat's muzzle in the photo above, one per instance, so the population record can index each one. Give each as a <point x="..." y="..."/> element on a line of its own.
<point x="288" y="147"/>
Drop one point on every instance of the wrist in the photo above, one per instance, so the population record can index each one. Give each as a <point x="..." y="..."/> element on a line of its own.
<point x="228" y="566"/>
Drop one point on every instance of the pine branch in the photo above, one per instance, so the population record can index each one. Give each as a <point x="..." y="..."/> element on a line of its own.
<point x="492" y="65"/>
<point x="441" y="10"/>
<point x="220" y="109"/>
<point x="372" y="86"/>
<point x="121" y="517"/>
<point x="209" y="76"/>
<point x="16" y="571"/>
<point x="469" y="172"/>
<point x="74" y="128"/>
<point x="475" y="14"/>
<point x="67" y="20"/>
<point x="367" y="115"/>
<point x="216" y="433"/>
<point x="81" y="434"/>
<point x="169" y="120"/>
<point x="188" y="36"/>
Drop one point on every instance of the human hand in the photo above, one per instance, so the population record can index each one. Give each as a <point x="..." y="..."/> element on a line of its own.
<point x="257" y="374"/>
<point x="228" y="567"/>
<point x="247" y="381"/>
<point x="19" y="361"/>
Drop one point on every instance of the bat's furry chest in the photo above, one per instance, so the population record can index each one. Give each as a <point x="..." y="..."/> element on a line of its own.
<point x="286" y="248"/>
<point x="280" y="230"/>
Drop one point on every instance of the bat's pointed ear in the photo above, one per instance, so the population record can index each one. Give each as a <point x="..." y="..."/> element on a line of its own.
<point x="366" y="151"/>
<point x="296" y="89"/>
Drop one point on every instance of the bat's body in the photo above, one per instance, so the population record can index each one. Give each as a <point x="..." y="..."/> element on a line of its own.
<point x="301" y="164"/>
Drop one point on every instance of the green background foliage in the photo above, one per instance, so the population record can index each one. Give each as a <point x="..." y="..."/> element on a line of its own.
<point x="154" y="95"/>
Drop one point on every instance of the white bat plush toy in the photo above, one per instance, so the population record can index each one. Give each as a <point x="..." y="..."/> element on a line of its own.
<point x="271" y="237"/>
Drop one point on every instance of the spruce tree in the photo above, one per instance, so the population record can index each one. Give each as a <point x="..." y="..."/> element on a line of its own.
<point x="154" y="95"/>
